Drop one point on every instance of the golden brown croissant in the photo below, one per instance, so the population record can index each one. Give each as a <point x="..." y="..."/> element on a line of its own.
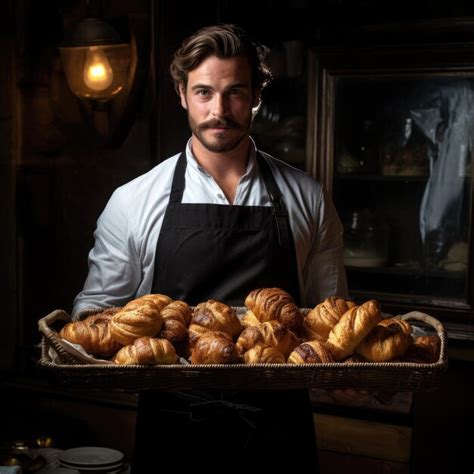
<point x="214" y="347"/>
<point x="136" y="319"/>
<point x="262" y="353"/>
<point x="213" y="316"/>
<point x="147" y="351"/>
<point x="322" y="318"/>
<point x="353" y="326"/>
<point x="95" y="338"/>
<point x="424" y="349"/>
<point x="176" y="317"/>
<point x="311" y="352"/>
<point x="272" y="333"/>
<point x="156" y="298"/>
<point x="387" y="341"/>
<point x="102" y="317"/>
<point x="274" y="303"/>
<point x="249" y="319"/>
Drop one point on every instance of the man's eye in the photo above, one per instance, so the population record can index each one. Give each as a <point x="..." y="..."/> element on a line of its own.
<point x="203" y="92"/>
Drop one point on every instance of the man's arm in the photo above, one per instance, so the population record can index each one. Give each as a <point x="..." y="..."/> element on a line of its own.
<point x="114" y="267"/>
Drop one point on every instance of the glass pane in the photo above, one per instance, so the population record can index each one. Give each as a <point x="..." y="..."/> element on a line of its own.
<point x="402" y="184"/>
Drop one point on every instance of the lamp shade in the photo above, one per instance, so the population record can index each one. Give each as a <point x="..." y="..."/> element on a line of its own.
<point x="95" y="60"/>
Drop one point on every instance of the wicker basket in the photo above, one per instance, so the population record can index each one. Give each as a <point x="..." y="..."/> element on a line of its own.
<point x="78" y="371"/>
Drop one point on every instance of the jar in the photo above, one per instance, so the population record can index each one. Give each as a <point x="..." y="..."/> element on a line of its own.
<point x="365" y="240"/>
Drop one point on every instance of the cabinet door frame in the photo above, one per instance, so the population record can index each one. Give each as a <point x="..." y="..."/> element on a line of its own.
<point x="327" y="65"/>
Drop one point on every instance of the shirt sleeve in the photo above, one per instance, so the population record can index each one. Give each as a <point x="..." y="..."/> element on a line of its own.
<point x="323" y="273"/>
<point x="114" y="269"/>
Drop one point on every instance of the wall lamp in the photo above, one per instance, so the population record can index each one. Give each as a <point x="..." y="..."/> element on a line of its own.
<point x="100" y="69"/>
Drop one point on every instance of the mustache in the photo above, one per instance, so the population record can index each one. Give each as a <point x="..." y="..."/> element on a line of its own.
<point x="227" y="123"/>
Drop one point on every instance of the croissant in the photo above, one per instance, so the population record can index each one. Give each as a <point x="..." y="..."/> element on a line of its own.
<point x="424" y="349"/>
<point x="135" y="320"/>
<point x="274" y="303"/>
<point x="176" y="317"/>
<point x="249" y="319"/>
<point x="95" y="338"/>
<point x="214" y="347"/>
<point x="262" y="353"/>
<point x="159" y="300"/>
<point x="388" y="340"/>
<point x="272" y="333"/>
<point x="102" y="317"/>
<point x="321" y="319"/>
<point x="213" y="316"/>
<point x="147" y="351"/>
<point x="353" y="326"/>
<point x="311" y="352"/>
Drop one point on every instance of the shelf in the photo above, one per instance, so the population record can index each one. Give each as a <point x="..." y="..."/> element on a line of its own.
<point x="378" y="177"/>
<point x="413" y="272"/>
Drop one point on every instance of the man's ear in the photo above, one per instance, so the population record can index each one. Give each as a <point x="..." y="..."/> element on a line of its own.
<point x="182" y="95"/>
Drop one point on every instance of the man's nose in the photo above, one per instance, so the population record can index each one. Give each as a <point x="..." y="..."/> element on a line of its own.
<point x="219" y="106"/>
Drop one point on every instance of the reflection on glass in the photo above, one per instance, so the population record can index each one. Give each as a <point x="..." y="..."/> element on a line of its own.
<point x="403" y="151"/>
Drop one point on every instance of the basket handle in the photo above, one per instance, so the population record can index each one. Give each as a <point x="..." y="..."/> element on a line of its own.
<point x="425" y="318"/>
<point x="43" y="323"/>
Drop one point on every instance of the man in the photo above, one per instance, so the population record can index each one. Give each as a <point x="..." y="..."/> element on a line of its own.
<point x="217" y="221"/>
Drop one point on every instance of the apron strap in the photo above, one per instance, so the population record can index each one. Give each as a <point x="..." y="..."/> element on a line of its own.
<point x="278" y="206"/>
<point x="177" y="187"/>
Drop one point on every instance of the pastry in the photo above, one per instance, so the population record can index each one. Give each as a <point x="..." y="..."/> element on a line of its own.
<point x="274" y="303"/>
<point x="147" y="351"/>
<point x="424" y="349"/>
<point x="262" y="353"/>
<point x="214" y="347"/>
<point x="272" y="333"/>
<point x="322" y="318"/>
<point x="213" y="316"/>
<point x="176" y="318"/>
<point x="353" y="326"/>
<point x="311" y="352"/>
<point x="387" y="341"/>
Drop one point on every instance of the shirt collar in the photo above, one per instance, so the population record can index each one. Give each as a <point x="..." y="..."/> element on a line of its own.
<point x="191" y="160"/>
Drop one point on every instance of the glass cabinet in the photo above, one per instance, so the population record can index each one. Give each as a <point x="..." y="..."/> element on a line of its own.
<point x="390" y="134"/>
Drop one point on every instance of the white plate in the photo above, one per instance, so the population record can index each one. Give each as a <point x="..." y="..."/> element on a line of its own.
<point x="109" y="468"/>
<point x="90" y="456"/>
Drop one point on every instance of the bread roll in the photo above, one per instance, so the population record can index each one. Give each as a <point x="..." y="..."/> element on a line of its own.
<point x="262" y="353"/>
<point x="95" y="338"/>
<point x="353" y="326"/>
<point x="214" y="347"/>
<point x="213" y="316"/>
<point x="147" y="351"/>
<point x="322" y="318"/>
<point x="272" y="333"/>
<point x="387" y="341"/>
<point x="136" y="319"/>
<point x="274" y="304"/>
<point x="176" y="318"/>
<point x="311" y="352"/>
<point x="424" y="349"/>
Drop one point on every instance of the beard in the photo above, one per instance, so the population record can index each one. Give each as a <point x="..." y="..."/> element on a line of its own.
<point x="221" y="142"/>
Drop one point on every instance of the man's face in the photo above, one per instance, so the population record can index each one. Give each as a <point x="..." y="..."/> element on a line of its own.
<point x="219" y="102"/>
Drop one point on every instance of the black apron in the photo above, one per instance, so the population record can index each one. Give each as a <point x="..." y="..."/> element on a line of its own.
<point x="222" y="252"/>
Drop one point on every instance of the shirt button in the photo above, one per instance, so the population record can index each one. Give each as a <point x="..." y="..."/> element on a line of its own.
<point x="220" y="196"/>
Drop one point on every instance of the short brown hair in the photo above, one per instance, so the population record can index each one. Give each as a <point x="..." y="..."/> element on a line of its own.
<point x="223" y="41"/>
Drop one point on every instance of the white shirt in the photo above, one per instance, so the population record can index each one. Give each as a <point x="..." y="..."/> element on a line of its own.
<point x="122" y="261"/>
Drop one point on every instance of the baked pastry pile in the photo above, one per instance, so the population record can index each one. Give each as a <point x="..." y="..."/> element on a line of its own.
<point x="153" y="329"/>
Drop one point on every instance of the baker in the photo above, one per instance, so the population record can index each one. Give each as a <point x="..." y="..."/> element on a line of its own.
<point x="214" y="222"/>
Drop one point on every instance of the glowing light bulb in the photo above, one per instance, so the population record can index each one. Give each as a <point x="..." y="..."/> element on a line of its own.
<point x="98" y="74"/>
